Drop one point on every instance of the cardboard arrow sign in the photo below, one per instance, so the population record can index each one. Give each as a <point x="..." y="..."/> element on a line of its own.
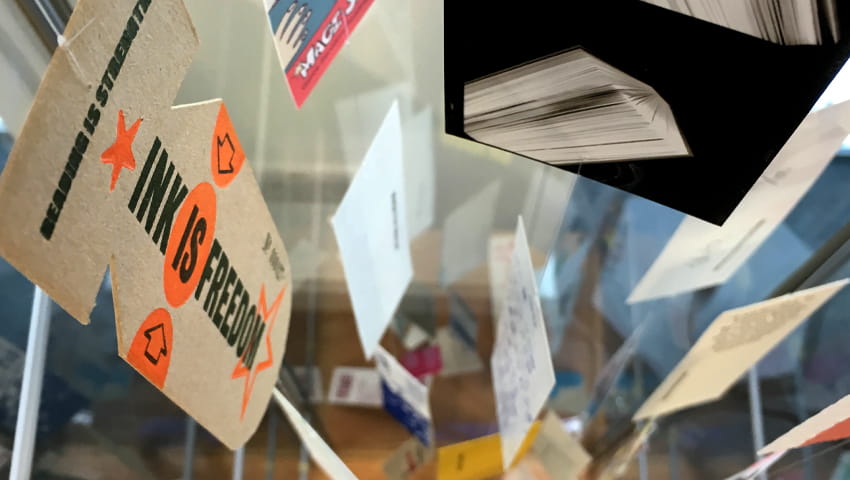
<point x="106" y="173"/>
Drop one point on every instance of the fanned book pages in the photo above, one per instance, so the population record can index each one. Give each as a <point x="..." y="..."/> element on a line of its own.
<point x="785" y="22"/>
<point x="571" y="108"/>
<point x="588" y="87"/>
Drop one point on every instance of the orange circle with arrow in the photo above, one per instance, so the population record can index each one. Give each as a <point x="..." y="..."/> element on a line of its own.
<point x="150" y="352"/>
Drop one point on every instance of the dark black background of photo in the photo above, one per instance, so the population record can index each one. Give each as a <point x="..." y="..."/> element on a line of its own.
<point x="736" y="98"/>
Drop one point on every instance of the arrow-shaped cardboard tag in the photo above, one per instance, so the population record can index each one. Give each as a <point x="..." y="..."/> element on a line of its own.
<point x="106" y="173"/>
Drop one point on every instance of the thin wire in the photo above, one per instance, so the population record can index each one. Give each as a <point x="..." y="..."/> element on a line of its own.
<point x="818" y="454"/>
<point x="39" y="4"/>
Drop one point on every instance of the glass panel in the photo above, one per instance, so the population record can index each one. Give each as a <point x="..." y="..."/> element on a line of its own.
<point x="590" y="244"/>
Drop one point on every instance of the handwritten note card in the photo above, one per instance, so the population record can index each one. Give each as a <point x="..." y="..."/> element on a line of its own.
<point x="371" y="231"/>
<point x="522" y="368"/>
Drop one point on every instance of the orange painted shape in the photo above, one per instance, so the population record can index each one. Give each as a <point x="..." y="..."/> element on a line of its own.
<point x="836" y="432"/>
<point x="241" y="370"/>
<point x="150" y="352"/>
<point x="120" y="153"/>
<point x="226" y="156"/>
<point x="189" y="244"/>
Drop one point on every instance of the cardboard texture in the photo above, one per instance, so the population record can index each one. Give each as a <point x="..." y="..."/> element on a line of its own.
<point x="735" y="341"/>
<point x="831" y="423"/>
<point x="105" y="173"/>
<point x="478" y="458"/>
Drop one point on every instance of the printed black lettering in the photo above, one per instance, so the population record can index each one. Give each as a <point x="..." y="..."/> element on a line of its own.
<point x="106" y="82"/>
<point x="58" y="199"/>
<point x="231" y="306"/>
<point x="65" y="182"/>
<point x="114" y="68"/>
<point x="130" y="32"/>
<point x="215" y="285"/>
<point x="176" y="195"/>
<point x="185" y="238"/>
<point x="92" y="117"/>
<point x="198" y="236"/>
<point x="207" y="273"/>
<point x="102" y="95"/>
<point x="160" y="178"/>
<point x="223" y="299"/>
<point x="143" y="177"/>
<point x="81" y="143"/>
<point x="254" y="345"/>
<point x="194" y="234"/>
<point x="143" y="5"/>
<point x="74" y="160"/>
<point x="120" y="51"/>
<point x="245" y="334"/>
<point x="47" y="225"/>
<point x="241" y="311"/>
<point x="239" y="325"/>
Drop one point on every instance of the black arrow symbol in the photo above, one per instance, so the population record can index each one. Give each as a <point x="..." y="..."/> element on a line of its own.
<point x="156" y="343"/>
<point x="221" y="141"/>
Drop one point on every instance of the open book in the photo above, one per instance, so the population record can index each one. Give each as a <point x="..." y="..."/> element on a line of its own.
<point x="786" y="22"/>
<point x="571" y="108"/>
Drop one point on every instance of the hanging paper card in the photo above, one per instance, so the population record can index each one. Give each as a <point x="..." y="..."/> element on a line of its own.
<point x="700" y="255"/>
<point x="523" y="375"/>
<point x="355" y="386"/>
<point x="759" y="468"/>
<point x="106" y="173"/>
<point x="561" y="454"/>
<point x="831" y="423"/>
<point x="478" y="458"/>
<point x="732" y="344"/>
<point x="371" y="231"/>
<point x="405" y="397"/>
<point x="308" y="34"/>
<point x="316" y="446"/>
<point x="407" y="458"/>
<point x="423" y="362"/>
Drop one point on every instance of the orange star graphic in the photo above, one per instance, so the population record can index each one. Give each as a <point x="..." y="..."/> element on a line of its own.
<point x="241" y="369"/>
<point x="120" y="154"/>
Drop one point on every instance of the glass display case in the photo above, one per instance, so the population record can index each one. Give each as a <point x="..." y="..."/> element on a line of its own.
<point x="72" y="409"/>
